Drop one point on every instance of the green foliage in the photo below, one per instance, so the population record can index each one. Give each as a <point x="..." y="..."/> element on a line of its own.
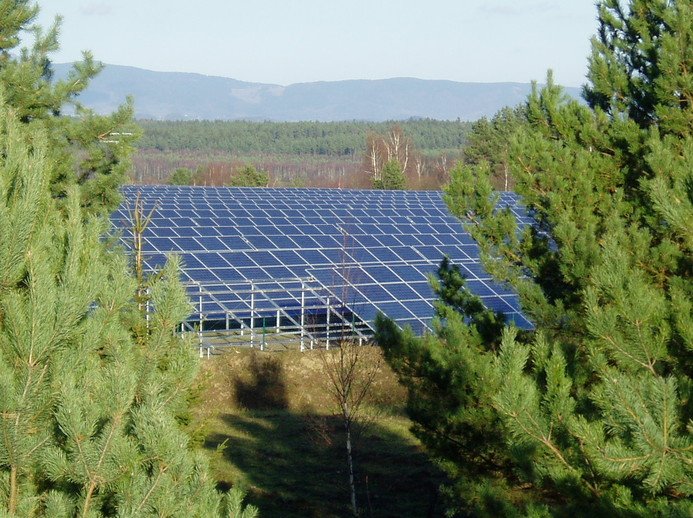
<point x="451" y="382"/>
<point x="295" y="138"/>
<point x="391" y="177"/>
<point x="489" y="141"/>
<point x="181" y="176"/>
<point x="593" y="409"/>
<point x="248" y="176"/>
<point x="87" y="150"/>
<point x="89" y="387"/>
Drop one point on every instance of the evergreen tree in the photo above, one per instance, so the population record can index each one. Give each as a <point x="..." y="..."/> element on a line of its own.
<point x="451" y="383"/>
<point x="248" y="176"/>
<point x="181" y="176"/>
<point x="489" y="141"/>
<point x="89" y="386"/>
<point x="87" y="150"/>
<point x="391" y="177"/>
<point x="594" y="407"/>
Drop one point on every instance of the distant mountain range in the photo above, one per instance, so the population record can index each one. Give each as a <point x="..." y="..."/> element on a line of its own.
<point x="185" y="96"/>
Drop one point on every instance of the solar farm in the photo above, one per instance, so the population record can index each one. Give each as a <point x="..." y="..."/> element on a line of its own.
<point x="265" y="265"/>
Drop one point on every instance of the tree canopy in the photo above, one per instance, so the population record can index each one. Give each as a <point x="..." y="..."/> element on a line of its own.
<point x="85" y="149"/>
<point x="346" y="138"/>
<point x="391" y="177"/>
<point x="94" y="380"/>
<point x="248" y="176"/>
<point x="91" y="387"/>
<point x="589" y="413"/>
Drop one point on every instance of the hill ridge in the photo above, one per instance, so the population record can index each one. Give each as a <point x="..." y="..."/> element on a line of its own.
<point x="194" y="96"/>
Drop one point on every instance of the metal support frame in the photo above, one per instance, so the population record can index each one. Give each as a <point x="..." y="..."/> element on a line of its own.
<point x="292" y="324"/>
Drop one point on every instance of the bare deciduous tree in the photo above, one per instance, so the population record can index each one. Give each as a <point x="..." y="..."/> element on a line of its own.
<point x="350" y="372"/>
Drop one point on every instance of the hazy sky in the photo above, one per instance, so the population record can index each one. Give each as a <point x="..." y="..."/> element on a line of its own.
<point x="290" y="41"/>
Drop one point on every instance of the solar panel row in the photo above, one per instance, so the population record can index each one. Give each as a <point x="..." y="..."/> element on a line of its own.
<point x="370" y="250"/>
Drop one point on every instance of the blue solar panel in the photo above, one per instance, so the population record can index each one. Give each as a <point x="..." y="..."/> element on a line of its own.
<point x="261" y="242"/>
<point x="160" y="232"/>
<point x="406" y="253"/>
<point x="402" y="291"/>
<point x="279" y="272"/>
<point x="395" y="310"/>
<point x="289" y="258"/>
<point x="212" y="260"/>
<point x="314" y="257"/>
<point x="188" y="244"/>
<point x="239" y="259"/>
<point x="282" y="242"/>
<point x="162" y="244"/>
<point x="265" y="258"/>
<point x="235" y="243"/>
<point x="190" y="261"/>
<point x="380" y="246"/>
<point x="229" y="274"/>
<point x="211" y="243"/>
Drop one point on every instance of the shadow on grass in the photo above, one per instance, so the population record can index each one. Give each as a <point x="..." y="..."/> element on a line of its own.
<point x="266" y="388"/>
<point x="295" y="465"/>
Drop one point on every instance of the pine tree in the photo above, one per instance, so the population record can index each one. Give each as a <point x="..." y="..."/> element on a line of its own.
<point x="89" y="387"/>
<point x="391" y="178"/>
<point x="594" y="406"/>
<point x="451" y="383"/>
<point x="248" y="176"/>
<point x="182" y="176"/>
<point x="489" y="141"/>
<point x="88" y="150"/>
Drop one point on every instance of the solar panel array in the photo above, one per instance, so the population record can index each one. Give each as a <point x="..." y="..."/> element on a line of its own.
<point x="370" y="251"/>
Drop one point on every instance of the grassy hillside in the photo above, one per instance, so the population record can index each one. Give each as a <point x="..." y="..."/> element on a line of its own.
<point x="271" y="427"/>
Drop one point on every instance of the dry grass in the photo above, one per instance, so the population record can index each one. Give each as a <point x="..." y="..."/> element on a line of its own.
<point x="283" y="441"/>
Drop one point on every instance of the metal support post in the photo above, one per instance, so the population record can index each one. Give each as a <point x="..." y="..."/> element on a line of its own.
<point x="303" y="315"/>
<point x="252" y="315"/>
<point x="327" y="325"/>
<point x="147" y="307"/>
<point x="199" y="309"/>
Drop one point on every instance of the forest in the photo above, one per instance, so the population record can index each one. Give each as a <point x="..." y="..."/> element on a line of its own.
<point x="106" y="409"/>
<point x="295" y="138"/>
<point x="310" y="154"/>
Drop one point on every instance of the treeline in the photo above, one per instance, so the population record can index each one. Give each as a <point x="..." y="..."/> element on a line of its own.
<point x="296" y="138"/>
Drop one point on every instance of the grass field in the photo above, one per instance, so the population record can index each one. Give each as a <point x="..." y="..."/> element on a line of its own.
<point x="270" y="425"/>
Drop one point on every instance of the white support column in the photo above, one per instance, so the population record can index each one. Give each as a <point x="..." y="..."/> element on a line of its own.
<point x="199" y="327"/>
<point x="327" y="325"/>
<point x="147" y="308"/>
<point x="303" y="315"/>
<point x="278" y="321"/>
<point x="252" y="315"/>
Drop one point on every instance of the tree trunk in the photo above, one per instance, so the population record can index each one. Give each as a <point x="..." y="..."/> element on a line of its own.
<point x="350" y="460"/>
<point x="13" y="489"/>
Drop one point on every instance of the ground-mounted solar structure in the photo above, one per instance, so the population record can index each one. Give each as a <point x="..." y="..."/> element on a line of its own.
<point x="310" y="263"/>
